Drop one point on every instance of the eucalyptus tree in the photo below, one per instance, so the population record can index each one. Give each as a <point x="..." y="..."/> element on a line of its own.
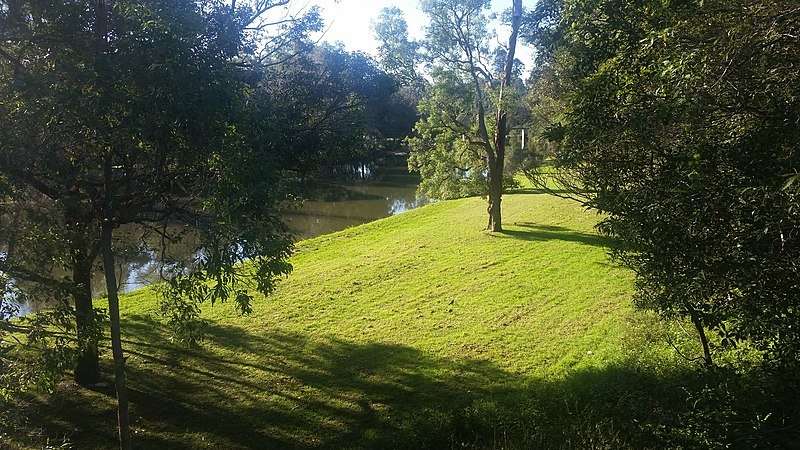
<point x="460" y="144"/>
<point x="399" y="55"/>
<point x="142" y="112"/>
<point x="680" y="121"/>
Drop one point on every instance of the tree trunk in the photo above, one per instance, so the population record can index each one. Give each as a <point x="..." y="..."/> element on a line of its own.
<point x="107" y="234"/>
<point x="495" y="196"/>
<point x="116" y="337"/>
<point x="701" y="332"/>
<point x="497" y="160"/>
<point x="87" y="368"/>
<point x="109" y="270"/>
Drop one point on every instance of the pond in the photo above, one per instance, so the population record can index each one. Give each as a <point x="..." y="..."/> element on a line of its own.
<point x="372" y="193"/>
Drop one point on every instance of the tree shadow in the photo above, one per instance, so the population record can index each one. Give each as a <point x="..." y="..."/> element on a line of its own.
<point x="527" y="231"/>
<point x="286" y="390"/>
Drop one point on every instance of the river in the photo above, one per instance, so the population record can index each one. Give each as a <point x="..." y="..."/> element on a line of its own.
<point x="387" y="191"/>
<point x="372" y="193"/>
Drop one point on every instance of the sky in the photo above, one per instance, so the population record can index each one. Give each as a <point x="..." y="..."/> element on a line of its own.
<point x="350" y="21"/>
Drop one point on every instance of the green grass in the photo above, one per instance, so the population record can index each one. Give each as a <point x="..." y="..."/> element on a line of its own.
<point x="417" y="331"/>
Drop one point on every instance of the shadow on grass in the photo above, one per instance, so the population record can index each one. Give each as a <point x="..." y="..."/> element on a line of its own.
<point x="535" y="232"/>
<point x="288" y="390"/>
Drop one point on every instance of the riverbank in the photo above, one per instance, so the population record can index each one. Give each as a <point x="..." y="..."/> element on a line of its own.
<point x="370" y="192"/>
<point x="416" y="331"/>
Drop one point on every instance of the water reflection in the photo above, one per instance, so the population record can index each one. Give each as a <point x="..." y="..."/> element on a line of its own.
<point x="388" y="191"/>
<point x="372" y="193"/>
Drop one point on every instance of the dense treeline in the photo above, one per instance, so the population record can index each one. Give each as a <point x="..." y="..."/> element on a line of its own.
<point x="680" y="121"/>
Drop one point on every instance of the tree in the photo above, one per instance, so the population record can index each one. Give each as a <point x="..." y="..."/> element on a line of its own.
<point x="147" y="112"/>
<point x="72" y="245"/>
<point x="680" y="123"/>
<point x="334" y="108"/>
<point x="363" y="95"/>
<point x="399" y="56"/>
<point x="458" y="123"/>
<point x="66" y="243"/>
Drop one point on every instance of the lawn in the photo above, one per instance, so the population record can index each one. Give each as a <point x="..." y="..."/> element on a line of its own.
<point x="417" y="331"/>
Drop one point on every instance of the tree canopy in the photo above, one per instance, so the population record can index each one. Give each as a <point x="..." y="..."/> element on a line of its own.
<point x="680" y="120"/>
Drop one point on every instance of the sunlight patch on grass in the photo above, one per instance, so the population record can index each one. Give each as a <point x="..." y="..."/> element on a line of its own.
<point x="421" y="329"/>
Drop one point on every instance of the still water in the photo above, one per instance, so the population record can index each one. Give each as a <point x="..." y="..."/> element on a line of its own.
<point x="373" y="193"/>
<point x="386" y="191"/>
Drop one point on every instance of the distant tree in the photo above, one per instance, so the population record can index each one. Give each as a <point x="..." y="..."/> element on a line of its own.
<point x="461" y="139"/>
<point x="401" y="58"/>
<point x="370" y="112"/>
<point x="140" y="112"/>
<point x="680" y="121"/>
<point x="451" y="163"/>
<point x="335" y="107"/>
<point x="398" y="54"/>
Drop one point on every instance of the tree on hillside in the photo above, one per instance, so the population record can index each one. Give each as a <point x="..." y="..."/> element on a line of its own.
<point x="460" y="144"/>
<point x="681" y="123"/>
<point x="143" y="112"/>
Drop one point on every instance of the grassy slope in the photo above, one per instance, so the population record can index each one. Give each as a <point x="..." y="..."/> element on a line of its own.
<point x="418" y="330"/>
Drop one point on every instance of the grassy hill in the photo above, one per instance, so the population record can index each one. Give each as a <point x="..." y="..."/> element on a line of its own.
<point x="417" y="331"/>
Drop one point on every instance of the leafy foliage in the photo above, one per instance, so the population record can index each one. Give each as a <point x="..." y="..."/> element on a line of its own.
<point x="398" y="54"/>
<point x="681" y="122"/>
<point x="166" y="125"/>
<point x="451" y="165"/>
